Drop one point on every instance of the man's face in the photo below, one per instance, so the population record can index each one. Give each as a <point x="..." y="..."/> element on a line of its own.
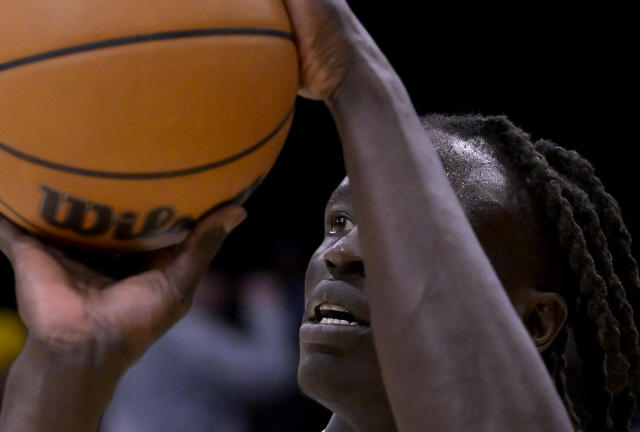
<point x="337" y="356"/>
<point x="338" y="365"/>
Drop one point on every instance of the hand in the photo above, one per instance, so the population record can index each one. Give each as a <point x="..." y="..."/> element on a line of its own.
<point x="85" y="328"/>
<point x="73" y="311"/>
<point x="330" y="40"/>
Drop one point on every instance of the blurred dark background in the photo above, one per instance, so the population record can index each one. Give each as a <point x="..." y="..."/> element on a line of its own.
<point x="565" y="76"/>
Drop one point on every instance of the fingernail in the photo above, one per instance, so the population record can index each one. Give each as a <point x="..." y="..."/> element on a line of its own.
<point x="233" y="218"/>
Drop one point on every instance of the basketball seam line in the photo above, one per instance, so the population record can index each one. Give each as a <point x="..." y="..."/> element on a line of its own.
<point x="22" y="218"/>
<point x="142" y="175"/>
<point x="150" y="37"/>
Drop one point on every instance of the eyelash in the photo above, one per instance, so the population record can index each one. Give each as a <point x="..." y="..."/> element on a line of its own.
<point x="344" y="220"/>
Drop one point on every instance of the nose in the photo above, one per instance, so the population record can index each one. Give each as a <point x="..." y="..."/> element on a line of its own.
<point x="344" y="258"/>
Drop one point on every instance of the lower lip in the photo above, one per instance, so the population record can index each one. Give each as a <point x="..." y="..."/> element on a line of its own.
<point x="331" y="334"/>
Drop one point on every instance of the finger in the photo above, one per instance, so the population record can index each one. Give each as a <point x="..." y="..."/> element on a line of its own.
<point x="79" y="271"/>
<point x="40" y="280"/>
<point x="8" y="235"/>
<point x="197" y="251"/>
<point x="29" y="257"/>
<point x="153" y="301"/>
<point x="38" y="259"/>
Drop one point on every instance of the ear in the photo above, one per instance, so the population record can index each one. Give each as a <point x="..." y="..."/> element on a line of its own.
<point x="545" y="315"/>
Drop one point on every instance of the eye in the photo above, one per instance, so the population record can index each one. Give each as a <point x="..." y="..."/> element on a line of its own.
<point x="339" y="223"/>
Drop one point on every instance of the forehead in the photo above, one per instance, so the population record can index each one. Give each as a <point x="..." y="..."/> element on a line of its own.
<point x="481" y="182"/>
<point x="341" y="193"/>
<point x="498" y="206"/>
<point x="474" y="170"/>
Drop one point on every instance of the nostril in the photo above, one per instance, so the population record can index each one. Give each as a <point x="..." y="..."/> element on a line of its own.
<point x="350" y="268"/>
<point x="330" y="265"/>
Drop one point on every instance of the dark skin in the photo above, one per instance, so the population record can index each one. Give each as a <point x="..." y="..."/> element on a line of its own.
<point x="452" y="353"/>
<point x="86" y="328"/>
<point x="343" y="373"/>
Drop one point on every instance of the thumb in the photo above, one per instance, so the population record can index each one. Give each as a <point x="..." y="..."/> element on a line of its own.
<point x="149" y="303"/>
<point x="196" y="252"/>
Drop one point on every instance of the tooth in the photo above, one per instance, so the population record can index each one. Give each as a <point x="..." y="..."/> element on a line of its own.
<point x="333" y="307"/>
<point x="334" y="321"/>
<point x="353" y="323"/>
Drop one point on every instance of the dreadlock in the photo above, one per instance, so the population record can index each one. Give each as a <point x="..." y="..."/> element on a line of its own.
<point x="603" y="281"/>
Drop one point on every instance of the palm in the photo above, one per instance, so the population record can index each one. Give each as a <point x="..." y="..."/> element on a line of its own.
<point x="61" y="308"/>
<point x="66" y="304"/>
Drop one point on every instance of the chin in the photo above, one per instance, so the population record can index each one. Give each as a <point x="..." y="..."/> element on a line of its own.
<point x="324" y="378"/>
<point x="338" y="381"/>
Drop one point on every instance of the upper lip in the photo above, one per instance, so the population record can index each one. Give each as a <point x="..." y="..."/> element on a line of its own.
<point x="331" y="291"/>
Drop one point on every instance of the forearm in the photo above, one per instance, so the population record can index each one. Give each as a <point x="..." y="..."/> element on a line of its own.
<point x="43" y="394"/>
<point x="452" y="350"/>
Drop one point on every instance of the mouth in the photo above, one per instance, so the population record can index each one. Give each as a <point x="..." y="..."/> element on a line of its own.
<point x="337" y="318"/>
<point x="333" y="314"/>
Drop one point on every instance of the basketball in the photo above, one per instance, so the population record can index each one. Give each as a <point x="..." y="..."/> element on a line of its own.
<point x="123" y="123"/>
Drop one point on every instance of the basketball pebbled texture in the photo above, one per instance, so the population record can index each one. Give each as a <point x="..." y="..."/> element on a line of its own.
<point x="120" y="125"/>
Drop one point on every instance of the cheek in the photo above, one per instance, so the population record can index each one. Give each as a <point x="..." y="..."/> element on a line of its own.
<point x="315" y="270"/>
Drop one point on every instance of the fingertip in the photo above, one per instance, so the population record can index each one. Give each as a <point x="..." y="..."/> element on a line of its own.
<point x="5" y="225"/>
<point x="226" y="218"/>
<point x="196" y="252"/>
<point x="213" y="228"/>
<point x="8" y="233"/>
<point x="234" y="216"/>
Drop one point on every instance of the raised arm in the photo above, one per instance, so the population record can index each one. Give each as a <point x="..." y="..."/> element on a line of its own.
<point x="453" y="353"/>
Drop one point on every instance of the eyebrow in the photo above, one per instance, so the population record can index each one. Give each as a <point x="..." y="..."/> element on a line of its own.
<point x="339" y="192"/>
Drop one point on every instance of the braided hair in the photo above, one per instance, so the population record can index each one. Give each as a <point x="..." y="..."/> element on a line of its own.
<point x="603" y="283"/>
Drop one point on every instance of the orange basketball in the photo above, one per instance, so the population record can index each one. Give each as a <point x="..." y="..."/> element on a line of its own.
<point x="123" y="122"/>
